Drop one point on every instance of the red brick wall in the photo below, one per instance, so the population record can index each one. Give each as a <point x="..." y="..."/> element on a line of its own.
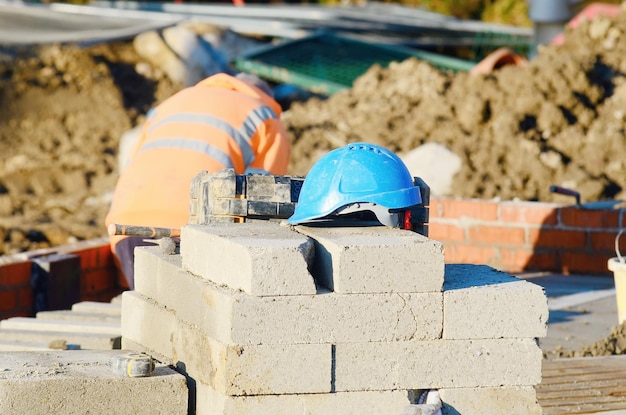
<point x="16" y="297"/>
<point x="98" y="280"/>
<point x="526" y="236"/>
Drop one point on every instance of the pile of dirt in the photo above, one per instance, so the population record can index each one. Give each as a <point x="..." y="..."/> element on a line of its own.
<point x="558" y="120"/>
<point x="63" y="112"/>
<point x="613" y="344"/>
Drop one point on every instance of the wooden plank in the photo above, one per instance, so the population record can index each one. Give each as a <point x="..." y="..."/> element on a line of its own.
<point x="582" y="409"/>
<point x="581" y="390"/>
<point x="566" y="379"/>
<point x="583" y="385"/>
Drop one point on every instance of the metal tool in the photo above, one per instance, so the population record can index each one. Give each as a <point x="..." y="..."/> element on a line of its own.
<point x="166" y="238"/>
<point x="601" y="204"/>
<point x="144" y="231"/>
<point x="567" y="192"/>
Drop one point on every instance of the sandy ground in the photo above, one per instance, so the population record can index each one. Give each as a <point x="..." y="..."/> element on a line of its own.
<point x="558" y="120"/>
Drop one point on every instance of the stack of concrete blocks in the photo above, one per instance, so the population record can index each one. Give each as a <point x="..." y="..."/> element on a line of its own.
<point x="87" y="325"/>
<point x="264" y="318"/>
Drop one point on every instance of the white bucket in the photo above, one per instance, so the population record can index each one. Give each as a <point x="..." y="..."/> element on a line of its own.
<point x="618" y="266"/>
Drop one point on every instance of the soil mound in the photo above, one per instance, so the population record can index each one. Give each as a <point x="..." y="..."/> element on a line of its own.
<point x="63" y="112"/>
<point x="613" y="344"/>
<point x="558" y="120"/>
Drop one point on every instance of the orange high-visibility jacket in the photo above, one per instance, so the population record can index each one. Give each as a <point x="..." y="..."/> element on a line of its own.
<point x="222" y="122"/>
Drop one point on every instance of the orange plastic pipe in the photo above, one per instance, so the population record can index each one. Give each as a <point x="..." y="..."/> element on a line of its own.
<point x="497" y="59"/>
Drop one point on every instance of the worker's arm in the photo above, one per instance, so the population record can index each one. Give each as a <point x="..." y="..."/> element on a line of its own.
<point x="272" y="148"/>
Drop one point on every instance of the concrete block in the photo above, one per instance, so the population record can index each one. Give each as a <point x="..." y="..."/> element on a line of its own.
<point x="21" y="346"/>
<point x="230" y="369"/>
<point x="77" y="316"/>
<point x="259" y="258"/>
<point x="28" y="323"/>
<point x="209" y="401"/>
<point x="95" y="341"/>
<point x="150" y="262"/>
<point x="114" y="309"/>
<point x="483" y="303"/>
<point x="116" y="301"/>
<point x="512" y="400"/>
<point x="233" y="317"/>
<point x="437" y="364"/>
<point x="375" y="260"/>
<point x="80" y="382"/>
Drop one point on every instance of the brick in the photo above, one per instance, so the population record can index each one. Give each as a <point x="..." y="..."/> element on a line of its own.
<point x="258" y="258"/>
<point x="344" y="403"/>
<point x="480" y="302"/>
<point x="519" y="259"/>
<point x="469" y="208"/>
<point x="497" y="235"/>
<point x="512" y="400"/>
<point x="234" y="317"/>
<point x="589" y="218"/>
<point x="514" y="258"/>
<point x="25" y="297"/>
<point x="15" y="273"/>
<point x="8" y="300"/>
<point x="529" y="213"/>
<point x="584" y="262"/>
<point x="436" y="208"/>
<point x="445" y="232"/>
<point x="605" y="241"/>
<point x="93" y="253"/>
<point x="375" y="259"/>
<point x="230" y="369"/>
<point x="95" y="388"/>
<point x="96" y="280"/>
<point x="470" y="253"/>
<point x="557" y="238"/>
<point x="437" y="364"/>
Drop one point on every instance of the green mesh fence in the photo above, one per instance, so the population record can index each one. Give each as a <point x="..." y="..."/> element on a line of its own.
<point x="326" y="63"/>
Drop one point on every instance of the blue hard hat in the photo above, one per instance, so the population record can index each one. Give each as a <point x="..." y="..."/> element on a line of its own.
<point x="357" y="173"/>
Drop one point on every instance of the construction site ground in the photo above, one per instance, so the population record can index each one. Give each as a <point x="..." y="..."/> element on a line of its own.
<point x="583" y="312"/>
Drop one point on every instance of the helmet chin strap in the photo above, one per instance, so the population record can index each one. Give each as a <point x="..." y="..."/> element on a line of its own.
<point x="384" y="215"/>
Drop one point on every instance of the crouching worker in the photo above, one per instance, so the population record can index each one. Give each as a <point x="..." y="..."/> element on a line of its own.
<point x="222" y="122"/>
